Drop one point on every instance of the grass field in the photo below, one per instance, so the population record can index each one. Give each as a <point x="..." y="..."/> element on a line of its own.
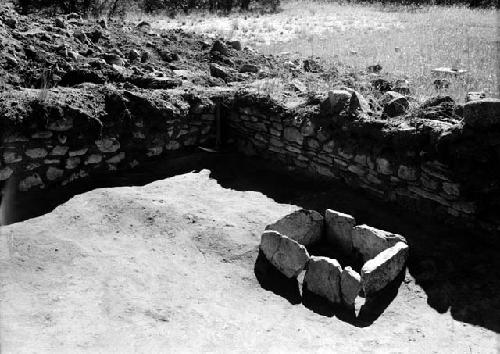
<point x="406" y="41"/>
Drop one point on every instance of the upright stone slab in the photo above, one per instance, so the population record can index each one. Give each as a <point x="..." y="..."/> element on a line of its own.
<point x="350" y="285"/>
<point x="323" y="278"/>
<point x="369" y="241"/>
<point x="289" y="257"/>
<point x="378" y="272"/>
<point x="303" y="226"/>
<point x="339" y="229"/>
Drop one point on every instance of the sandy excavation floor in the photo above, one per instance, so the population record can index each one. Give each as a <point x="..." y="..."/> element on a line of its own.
<point x="172" y="266"/>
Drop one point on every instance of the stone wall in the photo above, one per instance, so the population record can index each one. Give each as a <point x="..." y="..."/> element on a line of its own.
<point x="68" y="144"/>
<point x="447" y="170"/>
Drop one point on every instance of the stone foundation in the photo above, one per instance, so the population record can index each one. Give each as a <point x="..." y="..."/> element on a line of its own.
<point x="446" y="169"/>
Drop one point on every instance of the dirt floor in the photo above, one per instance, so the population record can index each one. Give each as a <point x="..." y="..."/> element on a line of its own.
<point x="174" y="265"/>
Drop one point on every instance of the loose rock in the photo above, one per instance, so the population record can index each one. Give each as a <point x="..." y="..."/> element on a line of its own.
<point x="394" y="103"/>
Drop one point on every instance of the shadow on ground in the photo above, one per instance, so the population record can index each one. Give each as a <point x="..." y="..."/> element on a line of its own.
<point x="459" y="271"/>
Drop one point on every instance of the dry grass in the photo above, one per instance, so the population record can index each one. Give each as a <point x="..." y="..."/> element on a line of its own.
<point x="406" y="41"/>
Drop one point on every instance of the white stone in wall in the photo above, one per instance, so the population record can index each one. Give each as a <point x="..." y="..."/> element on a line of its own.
<point x="51" y="161"/>
<point x="452" y="189"/>
<point x="116" y="159"/>
<point x="384" y="166"/>
<point x="42" y="135"/>
<point x="345" y="154"/>
<point x="54" y="173"/>
<point x="31" y="166"/>
<point x="79" y="152"/>
<point x="59" y="150"/>
<point x="5" y="173"/>
<point x="15" y="138"/>
<point x="329" y="146"/>
<point x="407" y="173"/>
<point x="30" y="182"/>
<point x="62" y="138"/>
<point x="36" y="153"/>
<point x="93" y="159"/>
<point x="108" y="145"/>
<point x="429" y="182"/>
<point x="360" y="159"/>
<point x="357" y="170"/>
<point x="11" y="157"/>
<point x="154" y="151"/>
<point x="172" y="145"/>
<point x="293" y="135"/>
<point x="72" y="163"/>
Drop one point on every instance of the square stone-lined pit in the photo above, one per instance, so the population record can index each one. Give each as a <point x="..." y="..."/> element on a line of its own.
<point x="383" y="254"/>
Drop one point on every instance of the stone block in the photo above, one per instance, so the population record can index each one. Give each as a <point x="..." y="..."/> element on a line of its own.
<point x="384" y="166"/>
<point x="407" y="173"/>
<point x="54" y="173"/>
<point x="108" y="145"/>
<point x="293" y="135"/>
<point x="378" y="272"/>
<point x="350" y="285"/>
<point x="36" y="153"/>
<point x="59" y="150"/>
<point x="287" y="255"/>
<point x="30" y="182"/>
<point x="323" y="278"/>
<point x="482" y="113"/>
<point x="303" y="226"/>
<point x="369" y="241"/>
<point x="11" y="157"/>
<point x="78" y="152"/>
<point x="339" y="229"/>
<point x="5" y="173"/>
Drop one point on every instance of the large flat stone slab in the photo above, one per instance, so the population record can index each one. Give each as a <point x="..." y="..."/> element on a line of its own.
<point x="287" y="255"/>
<point x="323" y="278"/>
<point x="378" y="272"/>
<point x="338" y="227"/>
<point x="303" y="226"/>
<point x="369" y="241"/>
<point x="350" y="285"/>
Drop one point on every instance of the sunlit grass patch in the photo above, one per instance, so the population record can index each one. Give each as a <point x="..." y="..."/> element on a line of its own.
<point x="408" y="41"/>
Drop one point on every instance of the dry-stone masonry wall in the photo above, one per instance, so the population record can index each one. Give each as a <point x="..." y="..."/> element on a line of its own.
<point x="57" y="143"/>
<point x="445" y="168"/>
